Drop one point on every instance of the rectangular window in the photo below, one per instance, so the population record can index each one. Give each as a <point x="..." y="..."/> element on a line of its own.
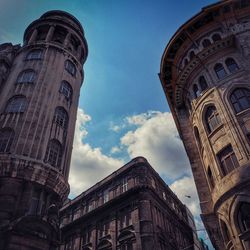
<point x="124" y="186"/>
<point x="125" y="220"/>
<point x="105" y="196"/>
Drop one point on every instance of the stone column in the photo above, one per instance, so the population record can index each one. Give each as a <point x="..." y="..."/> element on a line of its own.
<point x="50" y="33"/>
<point x="67" y="39"/>
<point x="79" y="52"/>
<point x="33" y="36"/>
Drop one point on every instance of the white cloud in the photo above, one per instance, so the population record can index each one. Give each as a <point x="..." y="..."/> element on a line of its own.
<point x="114" y="128"/>
<point x="88" y="165"/>
<point x="141" y="118"/>
<point x="185" y="189"/>
<point x="115" y="150"/>
<point x="156" y="138"/>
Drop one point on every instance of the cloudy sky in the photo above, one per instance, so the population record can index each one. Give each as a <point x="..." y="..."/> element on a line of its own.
<point x="122" y="112"/>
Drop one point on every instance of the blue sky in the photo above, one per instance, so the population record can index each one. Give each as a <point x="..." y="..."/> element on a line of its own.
<point x="123" y="112"/>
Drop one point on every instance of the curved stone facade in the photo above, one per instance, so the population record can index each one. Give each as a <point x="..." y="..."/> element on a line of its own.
<point x="205" y="76"/>
<point x="39" y="91"/>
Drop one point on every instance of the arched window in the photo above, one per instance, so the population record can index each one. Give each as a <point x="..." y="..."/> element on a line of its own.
<point x="54" y="153"/>
<point x="231" y="65"/>
<point x="27" y="76"/>
<point x="16" y="104"/>
<point x="228" y="160"/>
<point x="35" y="54"/>
<point x="210" y="177"/>
<point x="240" y="99"/>
<point x="6" y="139"/>
<point x="212" y="119"/>
<point x="70" y="67"/>
<point x="220" y="71"/>
<point x="191" y="55"/>
<point x="203" y="83"/>
<point x="61" y="117"/>
<point x="244" y="216"/>
<point x="196" y="90"/>
<point x="216" y="37"/>
<point x="206" y="43"/>
<point x="66" y="90"/>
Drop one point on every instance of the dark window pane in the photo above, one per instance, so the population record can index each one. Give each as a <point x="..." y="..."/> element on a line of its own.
<point x="220" y="71"/>
<point x="240" y="99"/>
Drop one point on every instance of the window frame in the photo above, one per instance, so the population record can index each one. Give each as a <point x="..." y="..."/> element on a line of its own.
<point x="31" y="53"/>
<point x="15" y="105"/>
<point x="203" y="83"/>
<point x="70" y="67"/>
<point x="61" y="117"/>
<point x="231" y="65"/>
<point x="237" y="102"/>
<point x="54" y="157"/>
<point x="66" y="90"/>
<point x="212" y="120"/>
<point x="227" y="160"/>
<point x="220" y="72"/>
<point x="22" y="77"/>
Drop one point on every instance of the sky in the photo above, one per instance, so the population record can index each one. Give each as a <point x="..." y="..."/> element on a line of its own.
<point x="122" y="111"/>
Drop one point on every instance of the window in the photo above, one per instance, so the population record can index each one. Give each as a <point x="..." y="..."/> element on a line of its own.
<point x="124" y="186"/>
<point x="228" y="160"/>
<point x="231" y="65"/>
<point x="91" y="206"/>
<point x="33" y="209"/>
<point x="125" y="220"/>
<point x="216" y="37"/>
<point x="212" y="119"/>
<point x="105" y="196"/>
<point x="104" y="229"/>
<point x="27" y="76"/>
<point x="38" y="202"/>
<point x="70" y="67"/>
<point x="191" y="55"/>
<point x="240" y="99"/>
<point x="66" y="90"/>
<point x="6" y="139"/>
<point x="54" y="153"/>
<point x="35" y="54"/>
<point x="244" y="216"/>
<point x="203" y="83"/>
<point x="16" y="104"/>
<point x="220" y="71"/>
<point x="210" y="177"/>
<point x="206" y="43"/>
<point x="61" y="117"/>
<point x="196" y="90"/>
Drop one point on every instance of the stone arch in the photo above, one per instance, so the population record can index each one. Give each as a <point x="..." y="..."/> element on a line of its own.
<point x="234" y="208"/>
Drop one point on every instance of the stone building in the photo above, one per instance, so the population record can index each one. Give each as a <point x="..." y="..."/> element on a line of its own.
<point x="205" y="75"/>
<point x="39" y="89"/>
<point x="130" y="209"/>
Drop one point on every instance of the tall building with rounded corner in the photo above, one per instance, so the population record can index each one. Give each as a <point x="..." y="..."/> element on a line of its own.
<point x="39" y="90"/>
<point x="205" y="75"/>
